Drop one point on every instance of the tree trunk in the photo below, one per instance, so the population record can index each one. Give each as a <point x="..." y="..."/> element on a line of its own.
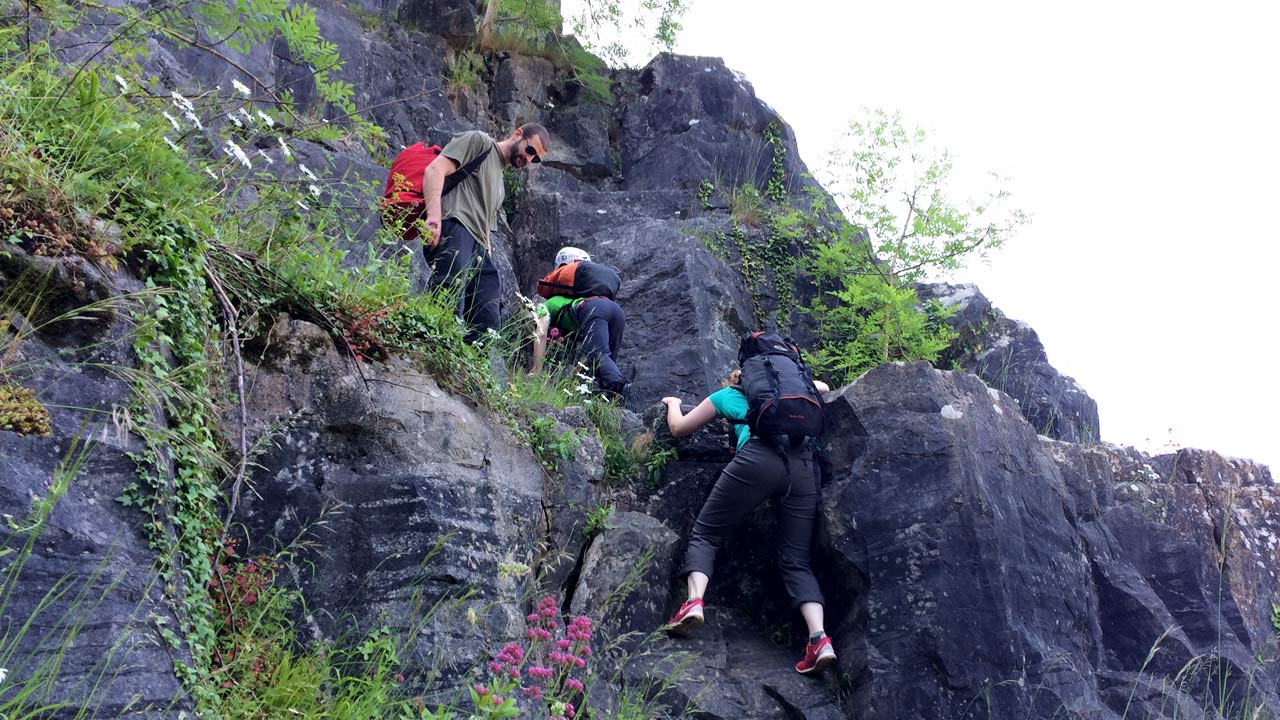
<point x="487" y="24"/>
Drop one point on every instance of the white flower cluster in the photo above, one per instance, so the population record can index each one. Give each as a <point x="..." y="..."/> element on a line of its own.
<point x="586" y="381"/>
<point x="240" y="118"/>
<point x="235" y="151"/>
<point x="244" y="117"/>
<point x="188" y="109"/>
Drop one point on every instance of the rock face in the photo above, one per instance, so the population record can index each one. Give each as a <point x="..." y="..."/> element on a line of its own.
<point x="1006" y="575"/>
<point x="983" y="556"/>
<point x="85" y="579"/>
<point x="408" y="495"/>
<point x="1007" y="354"/>
<point x="690" y="119"/>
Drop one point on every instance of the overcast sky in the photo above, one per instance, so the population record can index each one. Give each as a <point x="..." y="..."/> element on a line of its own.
<point x="1144" y="137"/>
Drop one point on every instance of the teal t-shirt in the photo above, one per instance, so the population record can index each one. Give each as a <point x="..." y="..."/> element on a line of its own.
<point x="731" y="404"/>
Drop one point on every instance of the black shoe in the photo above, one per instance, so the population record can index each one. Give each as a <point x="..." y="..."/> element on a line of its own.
<point x="619" y="393"/>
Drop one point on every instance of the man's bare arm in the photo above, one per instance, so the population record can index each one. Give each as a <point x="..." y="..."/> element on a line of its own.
<point x="432" y="185"/>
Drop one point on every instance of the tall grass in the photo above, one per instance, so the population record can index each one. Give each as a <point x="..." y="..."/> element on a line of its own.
<point x="35" y="648"/>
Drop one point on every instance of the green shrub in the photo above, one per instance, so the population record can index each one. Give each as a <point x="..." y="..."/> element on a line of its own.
<point x="463" y="72"/>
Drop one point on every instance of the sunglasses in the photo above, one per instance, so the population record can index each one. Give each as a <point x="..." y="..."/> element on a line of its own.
<point x="533" y="154"/>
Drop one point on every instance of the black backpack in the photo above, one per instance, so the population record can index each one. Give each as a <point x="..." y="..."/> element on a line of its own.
<point x="581" y="279"/>
<point x="781" y="397"/>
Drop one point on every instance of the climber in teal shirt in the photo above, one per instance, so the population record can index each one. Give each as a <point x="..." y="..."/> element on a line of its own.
<point x="731" y="404"/>
<point x="758" y="472"/>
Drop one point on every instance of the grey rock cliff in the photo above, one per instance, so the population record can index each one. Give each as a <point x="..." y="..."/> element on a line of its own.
<point x="983" y="556"/>
<point x="406" y="494"/>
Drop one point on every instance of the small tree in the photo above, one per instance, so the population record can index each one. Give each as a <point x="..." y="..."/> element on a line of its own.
<point x="902" y="225"/>
<point x="895" y="184"/>
<point x="600" y="25"/>
<point x="603" y="24"/>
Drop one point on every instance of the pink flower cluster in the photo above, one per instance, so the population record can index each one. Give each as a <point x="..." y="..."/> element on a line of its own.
<point x="547" y="665"/>
<point x="508" y="661"/>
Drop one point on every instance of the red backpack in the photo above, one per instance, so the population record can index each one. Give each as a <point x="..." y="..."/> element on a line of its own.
<point x="402" y="201"/>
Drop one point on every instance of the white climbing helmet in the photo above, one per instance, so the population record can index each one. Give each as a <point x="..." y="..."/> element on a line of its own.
<point x="570" y="254"/>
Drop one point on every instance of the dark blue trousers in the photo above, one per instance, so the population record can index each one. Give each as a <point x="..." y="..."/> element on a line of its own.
<point x="460" y="261"/>
<point x="600" y="325"/>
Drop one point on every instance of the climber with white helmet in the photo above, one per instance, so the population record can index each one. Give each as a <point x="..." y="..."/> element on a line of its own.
<point x="580" y="303"/>
<point x="571" y="254"/>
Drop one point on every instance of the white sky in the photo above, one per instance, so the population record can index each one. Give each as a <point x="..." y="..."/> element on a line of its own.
<point x="1144" y="137"/>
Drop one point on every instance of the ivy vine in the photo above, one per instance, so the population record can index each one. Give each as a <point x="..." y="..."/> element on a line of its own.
<point x="776" y="190"/>
<point x="177" y="480"/>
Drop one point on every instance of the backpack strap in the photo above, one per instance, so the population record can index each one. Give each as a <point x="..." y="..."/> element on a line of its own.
<point x="458" y="176"/>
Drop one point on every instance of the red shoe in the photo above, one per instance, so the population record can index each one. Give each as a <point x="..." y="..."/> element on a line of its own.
<point x="686" y="618"/>
<point x="817" y="657"/>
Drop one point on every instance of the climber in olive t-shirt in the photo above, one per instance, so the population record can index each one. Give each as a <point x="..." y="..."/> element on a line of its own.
<point x="456" y="241"/>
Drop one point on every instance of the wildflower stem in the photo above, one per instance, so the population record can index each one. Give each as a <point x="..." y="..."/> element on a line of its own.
<point x="229" y="312"/>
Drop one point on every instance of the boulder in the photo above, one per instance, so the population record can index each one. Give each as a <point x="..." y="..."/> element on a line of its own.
<point x="395" y="495"/>
<point x="624" y="582"/>
<point x="1008" y="355"/>
<point x="1002" y="574"/>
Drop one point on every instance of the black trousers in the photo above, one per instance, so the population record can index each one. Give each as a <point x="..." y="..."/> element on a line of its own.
<point x="600" y="325"/>
<point x="460" y="261"/>
<point x="756" y="474"/>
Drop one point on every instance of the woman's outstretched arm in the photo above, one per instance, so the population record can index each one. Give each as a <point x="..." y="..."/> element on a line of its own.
<point x="681" y="424"/>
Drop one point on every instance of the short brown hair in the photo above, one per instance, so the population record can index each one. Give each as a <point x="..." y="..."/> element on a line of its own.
<point x="532" y="130"/>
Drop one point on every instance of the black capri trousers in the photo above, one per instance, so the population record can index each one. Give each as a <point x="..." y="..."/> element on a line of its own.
<point x="756" y="474"/>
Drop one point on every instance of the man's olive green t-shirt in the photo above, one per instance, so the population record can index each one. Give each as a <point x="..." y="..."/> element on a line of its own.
<point x="475" y="201"/>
